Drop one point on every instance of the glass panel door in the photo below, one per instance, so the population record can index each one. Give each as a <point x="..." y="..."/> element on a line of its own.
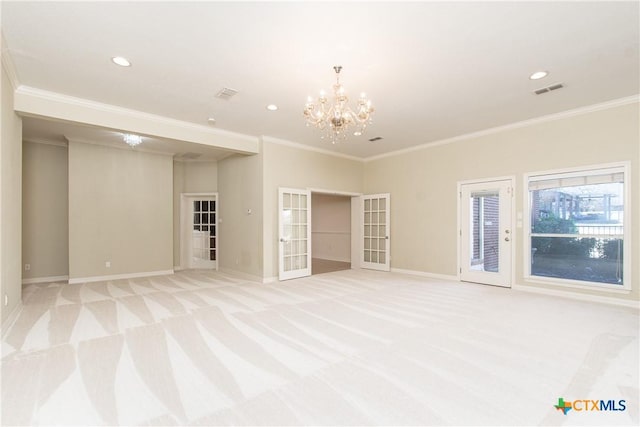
<point x="375" y="232"/>
<point x="295" y="233"/>
<point x="202" y="245"/>
<point x="485" y="233"/>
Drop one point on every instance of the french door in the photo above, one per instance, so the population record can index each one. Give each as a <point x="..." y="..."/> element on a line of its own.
<point x="486" y="235"/>
<point x="199" y="239"/>
<point x="375" y="222"/>
<point x="294" y="207"/>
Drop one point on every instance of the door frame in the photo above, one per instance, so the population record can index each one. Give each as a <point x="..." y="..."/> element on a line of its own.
<point x="356" y="237"/>
<point x="515" y="224"/>
<point x="185" y="227"/>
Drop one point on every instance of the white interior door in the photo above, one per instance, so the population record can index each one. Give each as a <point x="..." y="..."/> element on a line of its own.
<point x="199" y="231"/>
<point x="294" y="247"/>
<point x="375" y="232"/>
<point x="485" y="232"/>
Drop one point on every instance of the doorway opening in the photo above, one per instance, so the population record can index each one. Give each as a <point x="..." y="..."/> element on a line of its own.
<point x="331" y="244"/>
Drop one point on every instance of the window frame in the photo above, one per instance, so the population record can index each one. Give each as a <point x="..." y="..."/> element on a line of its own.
<point x="625" y="168"/>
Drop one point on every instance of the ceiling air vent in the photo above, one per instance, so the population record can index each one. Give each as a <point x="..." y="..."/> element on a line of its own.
<point x="377" y="138"/>
<point x="226" y="93"/>
<point x="548" y="88"/>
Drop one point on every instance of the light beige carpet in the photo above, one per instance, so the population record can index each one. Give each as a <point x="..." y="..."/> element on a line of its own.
<point x="348" y="348"/>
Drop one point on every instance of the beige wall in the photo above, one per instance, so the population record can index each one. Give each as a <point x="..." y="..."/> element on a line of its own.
<point x="120" y="210"/>
<point x="423" y="183"/>
<point x="190" y="177"/>
<point x="10" y="201"/>
<point x="45" y="217"/>
<point x="240" y="234"/>
<point x="287" y="166"/>
<point x="331" y="227"/>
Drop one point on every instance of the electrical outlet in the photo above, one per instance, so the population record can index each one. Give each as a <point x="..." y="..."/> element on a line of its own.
<point x="107" y="264"/>
<point x="27" y="267"/>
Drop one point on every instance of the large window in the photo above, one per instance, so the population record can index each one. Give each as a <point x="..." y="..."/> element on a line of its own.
<point x="577" y="227"/>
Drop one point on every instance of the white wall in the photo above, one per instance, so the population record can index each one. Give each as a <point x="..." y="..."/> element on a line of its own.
<point x="190" y="177"/>
<point x="10" y="201"/>
<point x="45" y="210"/>
<point x="240" y="234"/>
<point x="120" y="210"/>
<point x="331" y="227"/>
<point x="424" y="193"/>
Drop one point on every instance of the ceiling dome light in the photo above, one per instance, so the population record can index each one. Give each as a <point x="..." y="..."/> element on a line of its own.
<point x="272" y="107"/>
<point x="132" y="140"/>
<point x="211" y="121"/>
<point x="121" y="61"/>
<point x="538" y="75"/>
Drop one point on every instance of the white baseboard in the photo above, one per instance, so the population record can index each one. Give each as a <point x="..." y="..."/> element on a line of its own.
<point x="425" y="274"/>
<point x="178" y="268"/>
<point x="266" y="280"/>
<point x="77" y="280"/>
<point x="49" y="279"/>
<point x="578" y="296"/>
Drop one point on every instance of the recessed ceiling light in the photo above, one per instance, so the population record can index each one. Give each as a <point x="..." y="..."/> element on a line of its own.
<point x="538" y="75"/>
<point x="272" y="107"/>
<point x="121" y="61"/>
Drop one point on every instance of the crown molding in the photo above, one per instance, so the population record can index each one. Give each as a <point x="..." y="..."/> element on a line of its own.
<point x="45" y="141"/>
<point x="41" y="103"/>
<point x="8" y="64"/>
<point x="216" y="160"/>
<point x="299" y="146"/>
<point x="525" y="123"/>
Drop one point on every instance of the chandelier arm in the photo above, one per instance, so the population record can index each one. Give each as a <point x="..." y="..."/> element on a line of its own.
<point x="334" y="119"/>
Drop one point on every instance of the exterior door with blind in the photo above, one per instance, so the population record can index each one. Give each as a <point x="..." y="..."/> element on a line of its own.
<point x="200" y="239"/>
<point x="294" y="242"/>
<point x="375" y="232"/>
<point x="485" y="232"/>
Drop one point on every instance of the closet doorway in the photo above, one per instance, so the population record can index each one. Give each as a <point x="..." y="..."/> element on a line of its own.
<point x="331" y="236"/>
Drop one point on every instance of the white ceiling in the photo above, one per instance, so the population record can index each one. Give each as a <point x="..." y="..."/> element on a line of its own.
<point x="434" y="70"/>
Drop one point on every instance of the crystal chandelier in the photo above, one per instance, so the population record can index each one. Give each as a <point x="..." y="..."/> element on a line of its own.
<point x="131" y="139"/>
<point x="336" y="118"/>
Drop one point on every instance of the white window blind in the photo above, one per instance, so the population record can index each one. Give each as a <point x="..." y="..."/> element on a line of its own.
<point x="545" y="182"/>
